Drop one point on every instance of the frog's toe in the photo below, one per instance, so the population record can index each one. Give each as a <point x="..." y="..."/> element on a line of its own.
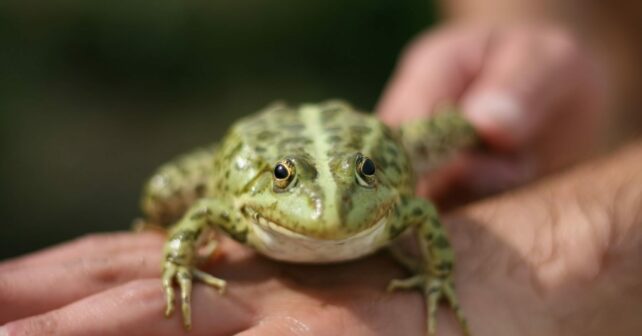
<point x="183" y="276"/>
<point x="414" y="282"/>
<point x="213" y="281"/>
<point x="168" y="275"/>
<point x="451" y="296"/>
<point x="434" y="288"/>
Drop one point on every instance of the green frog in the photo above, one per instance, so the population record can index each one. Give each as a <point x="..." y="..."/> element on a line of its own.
<point x="317" y="183"/>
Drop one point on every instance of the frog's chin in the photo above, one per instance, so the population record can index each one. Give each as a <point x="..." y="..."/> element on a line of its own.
<point x="278" y="242"/>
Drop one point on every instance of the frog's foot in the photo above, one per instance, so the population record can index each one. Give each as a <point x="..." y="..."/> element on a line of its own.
<point x="184" y="275"/>
<point x="434" y="288"/>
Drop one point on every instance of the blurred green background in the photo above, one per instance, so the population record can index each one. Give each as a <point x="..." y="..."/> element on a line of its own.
<point x="95" y="95"/>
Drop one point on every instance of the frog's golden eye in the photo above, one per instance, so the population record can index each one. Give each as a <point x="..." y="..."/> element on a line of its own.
<point x="284" y="172"/>
<point x="365" y="171"/>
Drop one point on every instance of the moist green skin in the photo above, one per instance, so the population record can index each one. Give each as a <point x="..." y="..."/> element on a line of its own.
<point x="231" y="186"/>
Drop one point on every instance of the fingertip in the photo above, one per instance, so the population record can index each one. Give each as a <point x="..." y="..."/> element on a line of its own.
<point x="3" y="331"/>
<point x="499" y="117"/>
<point x="401" y="102"/>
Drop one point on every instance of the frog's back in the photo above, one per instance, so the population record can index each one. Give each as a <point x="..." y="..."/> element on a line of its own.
<point x="323" y="133"/>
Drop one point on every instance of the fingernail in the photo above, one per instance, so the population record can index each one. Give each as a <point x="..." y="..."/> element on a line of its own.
<point x="498" y="114"/>
<point x="3" y="331"/>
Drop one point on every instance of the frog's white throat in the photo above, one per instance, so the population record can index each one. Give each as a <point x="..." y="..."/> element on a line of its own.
<point x="279" y="243"/>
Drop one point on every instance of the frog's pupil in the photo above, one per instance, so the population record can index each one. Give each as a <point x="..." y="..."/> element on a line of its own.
<point x="368" y="167"/>
<point x="280" y="171"/>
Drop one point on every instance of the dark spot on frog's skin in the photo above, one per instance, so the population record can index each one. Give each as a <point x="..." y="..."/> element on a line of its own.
<point x="361" y="129"/>
<point x="332" y="129"/>
<point x="227" y="174"/>
<point x="445" y="266"/>
<point x="225" y="217"/>
<point x="396" y="230"/>
<point x="432" y="290"/>
<point x="240" y="235"/>
<point x="175" y="256"/>
<point x="329" y="113"/>
<point x="259" y="149"/>
<point x="185" y="235"/>
<point x="234" y="150"/>
<point x="417" y="212"/>
<point x="265" y="135"/>
<point x="294" y="140"/>
<point x="333" y="139"/>
<point x="200" y="189"/>
<point x="198" y="215"/>
<point x="392" y="151"/>
<point x="294" y="127"/>
<point x="381" y="163"/>
<point x="441" y="242"/>
<point x="184" y="276"/>
<point x="355" y="143"/>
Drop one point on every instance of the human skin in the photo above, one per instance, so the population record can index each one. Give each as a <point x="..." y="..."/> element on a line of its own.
<point x="532" y="91"/>
<point x="561" y="257"/>
<point x="569" y="68"/>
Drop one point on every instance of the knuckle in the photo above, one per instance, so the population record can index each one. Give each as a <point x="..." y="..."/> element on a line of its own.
<point x="107" y="271"/>
<point x="564" y="45"/>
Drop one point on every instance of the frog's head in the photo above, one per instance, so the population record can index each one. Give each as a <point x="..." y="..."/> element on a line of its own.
<point x="340" y="197"/>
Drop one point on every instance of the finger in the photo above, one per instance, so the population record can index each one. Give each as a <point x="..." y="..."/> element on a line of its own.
<point x="29" y="291"/>
<point x="392" y="314"/>
<point x="137" y="308"/>
<point x="435" y="70"/>
<point x="282" y="326"/>
<point x="87" y="246"/>
<point x="476" y="175"/>
<point x="526" y="73"/>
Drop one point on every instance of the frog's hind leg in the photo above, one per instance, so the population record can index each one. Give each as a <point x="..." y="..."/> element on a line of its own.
<point x="434" y="277"/>
<point x="174" y="187"/>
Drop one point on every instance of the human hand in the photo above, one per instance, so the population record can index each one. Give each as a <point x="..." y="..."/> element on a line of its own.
<point x="530" y="91"/>
<point x="559" y="258"/>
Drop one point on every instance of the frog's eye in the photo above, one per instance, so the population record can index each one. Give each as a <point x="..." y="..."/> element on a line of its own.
<point x="284" y="172"/>
<point x="365" y="171"/>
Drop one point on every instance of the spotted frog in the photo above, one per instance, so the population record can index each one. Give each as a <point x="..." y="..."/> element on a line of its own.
<point x="317" y="183"/>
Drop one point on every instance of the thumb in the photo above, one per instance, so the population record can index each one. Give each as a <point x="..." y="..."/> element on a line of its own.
<point x="524" y="77"/>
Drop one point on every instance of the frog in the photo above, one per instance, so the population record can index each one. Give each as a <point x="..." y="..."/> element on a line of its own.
<point x="313" y="183"/>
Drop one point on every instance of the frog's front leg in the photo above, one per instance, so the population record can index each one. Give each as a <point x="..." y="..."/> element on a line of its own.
<point x="434" y="276"/>
<point x="180" y="253"/>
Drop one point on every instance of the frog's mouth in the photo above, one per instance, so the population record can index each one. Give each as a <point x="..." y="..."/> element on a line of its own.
<point x="277" y="242"/>
<point x="267" y="226"/>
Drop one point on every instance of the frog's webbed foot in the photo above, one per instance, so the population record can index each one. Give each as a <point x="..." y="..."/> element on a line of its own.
<point x="434" y="274"/>
<point x="189" y="242"/>
<point x="434" y="288"/>
<point x="183" y="276"/>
